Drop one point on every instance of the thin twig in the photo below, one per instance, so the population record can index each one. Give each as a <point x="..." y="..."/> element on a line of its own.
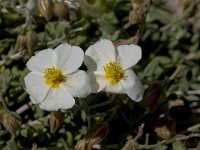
<point x="102" y="104"/>
<point x="140" y="131"/>
<point x="23" y="108"/>
<point x="193" y="127"/>
<point x="198" y="146"/>
<point x="29" y="124"/>
<point x="194" y="92"/>
<point x="185" y="13"/>
<point x="147" y="139"/>
<point x="132" y="143"/>
<point x="15" y="56"/>
<point x="35" y="122"/>
<point x="189" y="92"/>
<point x="177" y="138"/>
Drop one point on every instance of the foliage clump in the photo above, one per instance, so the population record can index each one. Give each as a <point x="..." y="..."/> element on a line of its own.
<point x="167" y="32"/>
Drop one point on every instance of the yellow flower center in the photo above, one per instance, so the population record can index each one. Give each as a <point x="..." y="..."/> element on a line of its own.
<point x="113" y="72"/>
<point x="54" y="77"/>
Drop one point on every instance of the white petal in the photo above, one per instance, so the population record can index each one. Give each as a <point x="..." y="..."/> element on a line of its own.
<point x="57" y="99"/>
<point x="98" y="81"/>
<point x="36" y="87"/>
<point x="128" y="55"/>
<point x="99" y="54"/>
<point x="70" y="58"/>
<point x="42" y="60"/>
<point x="33" y="100"/>
<point x="133" y="86"/>
<point x="117" y="88"/>
<point x="78" y="84"/>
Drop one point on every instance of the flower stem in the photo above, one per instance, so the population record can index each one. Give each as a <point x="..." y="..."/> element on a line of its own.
<point x="178" y="72"/>
<point x="110" y="101"/>
<point x="3" y="102"/>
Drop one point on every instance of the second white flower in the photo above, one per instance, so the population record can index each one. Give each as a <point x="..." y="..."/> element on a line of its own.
<point x="109" y="68"/>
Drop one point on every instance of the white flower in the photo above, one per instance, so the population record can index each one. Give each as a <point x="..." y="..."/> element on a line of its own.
<point x="110" y="70"/>
<point x="55" y="79"/>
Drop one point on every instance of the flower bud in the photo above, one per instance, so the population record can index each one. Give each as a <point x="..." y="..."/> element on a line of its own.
<point x="45" y="8"/>
<point x="56" y="120"/>
<point x="21" y="41"/>
<point x="31" y="41"/>
<point x="165" y="128"/>
<point x="9" y="122"/>
<point x="94" y="138"/>
<point x="99" y="133"/>
<point x="136" y="4"/>
<point x="61" y="10"/>
<point x="136" y="17"/>
<point x="81" y="145"/>
<point x="155" y="95"/>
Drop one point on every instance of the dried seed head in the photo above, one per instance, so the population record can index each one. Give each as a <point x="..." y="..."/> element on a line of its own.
<point x="131" y="145"/>
<point x="165" y="128"/>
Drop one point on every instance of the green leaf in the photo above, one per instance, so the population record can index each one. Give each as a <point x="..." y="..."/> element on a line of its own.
<point x="39" y="112"/>
<point x="69" y="138"/>
<point x="83" y="115"/>
<point x="5" y="78"/>
<point x="178" y="145"/>
<point x="11" y="145"/>
<point x="164" y="60"/>
<point x="83" y="130"/>
<point x="192" y="98"/>
<point x="151" y="67"/>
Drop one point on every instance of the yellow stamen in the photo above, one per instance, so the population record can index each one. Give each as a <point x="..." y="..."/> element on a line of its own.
<point x="54" y="77"/>
<point x="114" y="72"/>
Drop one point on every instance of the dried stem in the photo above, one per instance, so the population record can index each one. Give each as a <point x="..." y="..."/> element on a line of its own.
<point x="140" y="131"/>
<point x="166" y="27"/>
<point x="193" y="127"/>
<point x="23" y="108"/>
<point x="110" y="101"/>
<point x="198" y="146"/>
<point x="12" y="57"/>
<point x="147" y="139"/>
<point x="35" y="122"/>
<point x="177" y="138"/>
<point x="29" y="124"/>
